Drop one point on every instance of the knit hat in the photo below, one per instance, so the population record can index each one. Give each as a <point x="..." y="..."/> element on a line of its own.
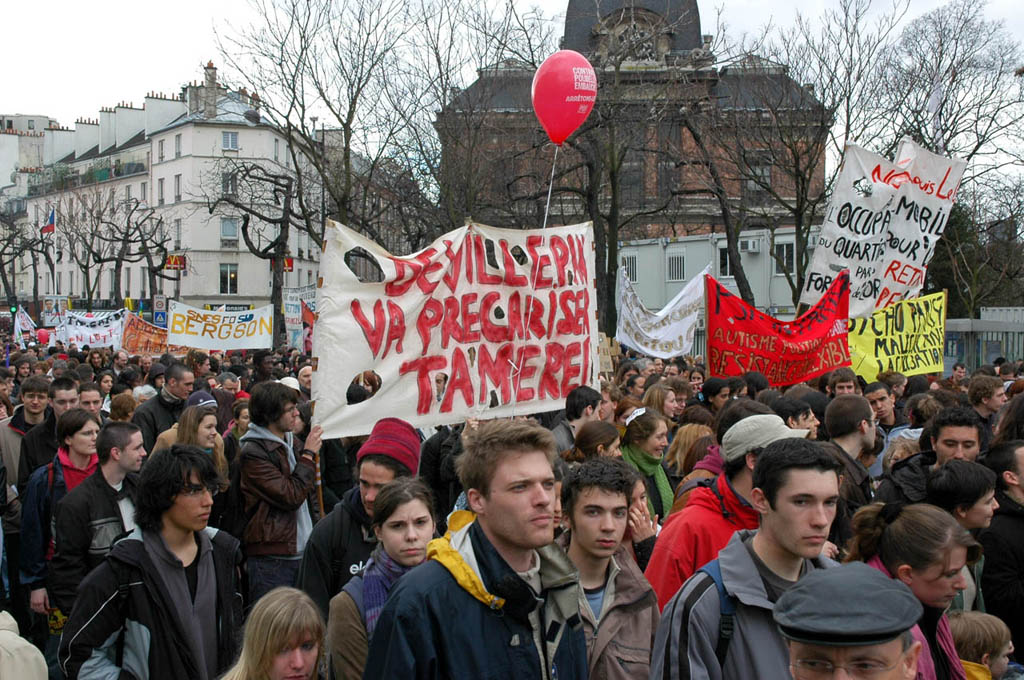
<point x="394" y="438"/>
<point x="291" y="382"/>
<point x="201" y="398"/>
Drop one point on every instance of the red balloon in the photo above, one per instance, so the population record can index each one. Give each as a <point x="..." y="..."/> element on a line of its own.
<point x="564" y="90"/>
<point x="43" y="336"/>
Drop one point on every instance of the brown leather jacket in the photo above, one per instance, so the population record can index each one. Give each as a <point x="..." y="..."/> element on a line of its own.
<point x="276" y="494"/>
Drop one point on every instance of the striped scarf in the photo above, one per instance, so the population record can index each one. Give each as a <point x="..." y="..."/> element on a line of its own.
<point x="381" y="573"/>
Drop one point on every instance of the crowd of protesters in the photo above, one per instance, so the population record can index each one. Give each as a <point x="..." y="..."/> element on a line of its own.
<point x="180" y="517"/>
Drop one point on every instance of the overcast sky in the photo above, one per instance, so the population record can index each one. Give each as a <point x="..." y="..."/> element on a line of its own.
<point x="66" y="59"/>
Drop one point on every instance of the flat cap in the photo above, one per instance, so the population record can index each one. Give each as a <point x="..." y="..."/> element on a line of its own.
<point x="846" y="606"/>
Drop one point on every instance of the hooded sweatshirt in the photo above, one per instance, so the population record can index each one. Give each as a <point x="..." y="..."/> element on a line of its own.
<point x="303" y="522"/>
<point x="693" y="536"/>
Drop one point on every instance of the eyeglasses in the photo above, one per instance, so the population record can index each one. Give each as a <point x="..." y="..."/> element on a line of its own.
<point x="193" y="490"/>
<point x="818" y="669"/>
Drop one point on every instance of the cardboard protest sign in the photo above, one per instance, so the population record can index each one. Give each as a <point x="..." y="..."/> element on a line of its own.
<point x="666" y="333"/>
<point x="908" y="337"/>
<point x="506" y="315"/>
<point x="202" y="329"/>
<point x="741" y="338"/>
<point x="882" y="223"/>
<point x="96" y="329"/>
<point x="54" y="308"/>
<point x="140" y="337"/>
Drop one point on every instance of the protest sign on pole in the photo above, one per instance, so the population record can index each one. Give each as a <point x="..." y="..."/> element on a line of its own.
<point x="141" y="337"/>
<point x="741" y="338"/>
<point x="96" y="329"/>
<point x="54" y="307"/>
<point x="209" y="330"/>
<point x="666" y="333"/>
<point x="294" y="299"/>
<point x="23" y="324"/>
<point x="908" y="336"/>
<point x="507" y="315"/>
<point x="882" y="223"/>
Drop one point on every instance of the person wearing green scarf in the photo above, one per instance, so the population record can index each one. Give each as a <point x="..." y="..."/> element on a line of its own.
<point x="643" y="445"/>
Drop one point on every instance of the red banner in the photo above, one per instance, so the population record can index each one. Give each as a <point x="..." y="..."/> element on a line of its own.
<point x="741" y="339"/>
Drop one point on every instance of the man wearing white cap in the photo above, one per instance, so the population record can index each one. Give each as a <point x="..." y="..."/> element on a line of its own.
<point x="693" y="537"/>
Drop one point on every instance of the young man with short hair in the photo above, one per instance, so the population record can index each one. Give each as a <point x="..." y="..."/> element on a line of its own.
<point x="582" y="405"/>
<point x="987" y="396"/>
<point x="39" y="445"/>
<point x="90" y="398"/>
<point x="278" y="486"/>
<point x="955" y="434"/>
<point x="797" y="414"/>
<point x="95" y="514"/>
<point x="796" y="489"/>
<point x="843" y="381"/>
<point x="851" y="617"/>
<point x="692" y="537"/>
<point x="967" y="491"/>
<point x="619" y="607"/>
<point x="343" y="541"/>
<point x="879" y="396"/>
<point x="156" y="415"/>
<point x="850" y="422"/>
<point x="1002" y="579"/>
<point x="495" y="593"/>
<point x="165" y="602"/>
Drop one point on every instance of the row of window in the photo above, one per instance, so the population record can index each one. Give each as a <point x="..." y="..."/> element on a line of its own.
<point x="229" y="278"/>
<point x="126" y="289"/>
<point x="784" y="261"/>
<point x="160" y="148"/>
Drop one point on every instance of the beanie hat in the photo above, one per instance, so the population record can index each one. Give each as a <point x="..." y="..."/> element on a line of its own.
<point x="201" y="398"/>
<point x="396" y="439"/>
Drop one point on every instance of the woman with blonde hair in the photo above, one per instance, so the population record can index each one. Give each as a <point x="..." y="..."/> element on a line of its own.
<point x="282" y="638"/>
<point x="662" y="399"/>
<point x="197" y="427"/>
<point x="675" y="459"/>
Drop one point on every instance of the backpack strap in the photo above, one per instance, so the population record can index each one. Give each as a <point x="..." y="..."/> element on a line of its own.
<point x="123" y="588"/>
<point x="691" y="484"/>
<point x="727" y="610"/>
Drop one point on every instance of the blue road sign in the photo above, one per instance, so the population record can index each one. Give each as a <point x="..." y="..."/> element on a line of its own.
<point x="160" y="319"/>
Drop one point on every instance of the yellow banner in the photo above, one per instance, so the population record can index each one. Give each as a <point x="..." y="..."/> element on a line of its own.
<point x="907" y="337"/>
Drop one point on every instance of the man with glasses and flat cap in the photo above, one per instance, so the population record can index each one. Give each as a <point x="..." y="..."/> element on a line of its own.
<point x="849" y="622"/>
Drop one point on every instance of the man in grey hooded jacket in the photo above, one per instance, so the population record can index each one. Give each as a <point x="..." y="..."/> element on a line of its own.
<point x="729" y="634"/>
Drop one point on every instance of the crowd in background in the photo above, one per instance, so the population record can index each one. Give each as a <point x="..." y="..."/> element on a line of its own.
<point x="173" y="517"/>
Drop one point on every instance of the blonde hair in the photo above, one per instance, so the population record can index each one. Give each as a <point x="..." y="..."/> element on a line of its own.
<point x="681" y="443"/>
<point x="976" y="634"/>
<point x="188" y="433"/>
<point x="281" y="619"/>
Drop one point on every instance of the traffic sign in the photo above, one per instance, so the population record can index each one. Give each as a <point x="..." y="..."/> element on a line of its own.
<point x="160" y="319"/>
<point x="159" y="303"/>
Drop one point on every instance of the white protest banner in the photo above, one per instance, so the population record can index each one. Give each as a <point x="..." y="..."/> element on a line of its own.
<point x="23" y="324"/>
<point x="882" y="223"/>
<point x="507" y="315"/>
<point x="666" y="333"/>
<point x="293" y="299"/>
<point x="96" y="329"/>
<point x="202" y="329"/>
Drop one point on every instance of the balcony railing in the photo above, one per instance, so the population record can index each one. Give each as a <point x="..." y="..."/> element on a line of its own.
<point x="100" y="172"/>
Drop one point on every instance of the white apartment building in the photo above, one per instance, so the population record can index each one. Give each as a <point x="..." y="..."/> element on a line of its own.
<point x="170" y="154"/>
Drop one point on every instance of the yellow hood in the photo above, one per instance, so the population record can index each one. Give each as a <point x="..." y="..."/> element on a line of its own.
<point x="443" y="551"/>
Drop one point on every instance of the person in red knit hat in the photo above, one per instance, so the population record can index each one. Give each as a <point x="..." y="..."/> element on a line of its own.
<point x="342" y="542"/>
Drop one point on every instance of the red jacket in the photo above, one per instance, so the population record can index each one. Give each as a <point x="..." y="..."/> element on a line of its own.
<point x="692" y="538"/>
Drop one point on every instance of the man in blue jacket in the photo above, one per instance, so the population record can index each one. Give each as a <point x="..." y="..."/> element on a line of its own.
<point x="495" y="598"/>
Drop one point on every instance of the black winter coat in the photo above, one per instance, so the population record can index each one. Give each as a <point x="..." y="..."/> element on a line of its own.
<point x="156" y="415"/>
<point x="1002" y="578"/>
<point x="124" y="594"/>
<point x="337" y="550"/>
<point x="907" y="480"/>
<point x="88" y="521"/>
<point x="38" y="447"/>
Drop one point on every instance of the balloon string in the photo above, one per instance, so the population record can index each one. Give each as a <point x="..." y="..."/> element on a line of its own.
<point x="551" y="185"/>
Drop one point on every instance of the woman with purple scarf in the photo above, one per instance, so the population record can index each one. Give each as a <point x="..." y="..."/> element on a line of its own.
<point x="925" y="548"/>
<point x="404" y="524"/>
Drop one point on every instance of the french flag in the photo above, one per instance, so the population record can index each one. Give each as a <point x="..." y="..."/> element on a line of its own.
<point x="51" y="223"/>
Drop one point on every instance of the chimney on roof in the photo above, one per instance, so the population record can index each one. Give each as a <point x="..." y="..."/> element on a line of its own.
<point x="210" y="91"/>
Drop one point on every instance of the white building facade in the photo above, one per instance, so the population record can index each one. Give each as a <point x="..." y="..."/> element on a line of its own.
<point x="169" y="155"/>
<point x="659" y="268"/>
